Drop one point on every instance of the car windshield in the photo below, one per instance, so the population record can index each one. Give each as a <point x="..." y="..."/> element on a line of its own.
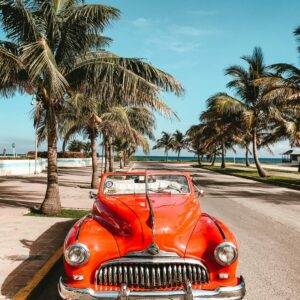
<point x="136" y="184"/>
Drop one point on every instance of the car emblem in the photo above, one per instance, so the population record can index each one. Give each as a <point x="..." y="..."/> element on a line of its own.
<point x="152" y="249"/>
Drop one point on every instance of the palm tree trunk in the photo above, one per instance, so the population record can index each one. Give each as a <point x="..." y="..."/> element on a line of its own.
<point x="51" y="203"/>
<point x="95" y="174"/>
<point x="105" y="154"/>
<point x="121" y="160"/>
<point x="126" y="159"/>
<point x="178" y="155"/>
<point x="213" y="159"/>
<point x="247" y="155"/>
<point x="199" y="158"/>
<point x="223" y="165"/>
<point x="167" y="156"/>
<point x="111" y="155"/>
<point x="64" y="147"/>
<point x="260" y="169"/>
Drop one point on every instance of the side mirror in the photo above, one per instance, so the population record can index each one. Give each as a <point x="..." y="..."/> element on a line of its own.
<point x="93" y="195"/>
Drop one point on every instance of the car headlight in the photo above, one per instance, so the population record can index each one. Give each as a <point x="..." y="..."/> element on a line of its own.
<point x="226" y="254"/>
<point x="77" y="254"/>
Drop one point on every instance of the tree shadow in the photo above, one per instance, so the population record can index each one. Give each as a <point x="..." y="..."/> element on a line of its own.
<point x="236" y="187"/>
<point x="28" y="191"/>
<point x="10" y="197"/>
<point x="40" y="251"/>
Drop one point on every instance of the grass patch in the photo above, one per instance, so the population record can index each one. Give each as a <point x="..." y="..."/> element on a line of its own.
<point x="65" y="213"/>
<point x="283" y="181"/>
<point x="271" y="169"/>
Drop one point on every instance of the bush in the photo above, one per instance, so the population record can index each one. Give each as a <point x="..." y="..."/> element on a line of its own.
<point x="70" y="154"/>
<point x="41" y="154"/>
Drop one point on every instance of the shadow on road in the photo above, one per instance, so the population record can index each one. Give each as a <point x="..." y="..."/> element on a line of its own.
<point x="231" y="186"/>
<point x="39" y="251"/>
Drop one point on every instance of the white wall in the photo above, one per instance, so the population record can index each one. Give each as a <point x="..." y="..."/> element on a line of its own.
<point x="27" y="166"/>
<point x="21" y="166"/>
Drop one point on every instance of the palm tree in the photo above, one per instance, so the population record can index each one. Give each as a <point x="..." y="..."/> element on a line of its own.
<point x="141" y="120"/>
<point x="165" y="142"/>
<point x="219" y="130"/>
<point x="92" y="118"/>
<point x="76" y="146"/>
<point x="195" y="142"/>
<point x="250" y="102"/>
<point x="179" y="142"/>
<point x="119" y="121"/>
<point x="54" y="49"/>
<point x="283" y="91"/>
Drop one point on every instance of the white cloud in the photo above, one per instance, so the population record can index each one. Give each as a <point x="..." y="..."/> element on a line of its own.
<point x="190" y="31"/>
<point x="171" y="43"/>
<point x="166" y="36"/>
<point x="141" y="22"/>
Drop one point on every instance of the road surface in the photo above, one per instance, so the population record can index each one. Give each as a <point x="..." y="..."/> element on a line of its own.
<point x="266" y="222"/>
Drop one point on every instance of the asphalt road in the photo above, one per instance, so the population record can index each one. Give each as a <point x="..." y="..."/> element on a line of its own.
<point x="266" y="222"/>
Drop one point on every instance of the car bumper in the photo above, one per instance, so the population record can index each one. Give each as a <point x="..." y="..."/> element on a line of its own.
<point x="226" y="293"/>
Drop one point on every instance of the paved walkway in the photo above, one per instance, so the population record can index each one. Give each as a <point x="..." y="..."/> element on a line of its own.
<point x="27" y="242"/>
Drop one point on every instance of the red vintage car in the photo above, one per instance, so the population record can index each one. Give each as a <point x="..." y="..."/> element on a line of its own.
<point x="147" y="238"/>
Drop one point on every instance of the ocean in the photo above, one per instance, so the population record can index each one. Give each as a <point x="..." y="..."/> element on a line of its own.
<point x="270" y="160"/>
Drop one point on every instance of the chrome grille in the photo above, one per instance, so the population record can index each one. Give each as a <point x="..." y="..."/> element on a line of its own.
<point x="152" y="274"/>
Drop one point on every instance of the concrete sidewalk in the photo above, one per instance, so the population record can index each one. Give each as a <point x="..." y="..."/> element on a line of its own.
<point x="28" y="242"/>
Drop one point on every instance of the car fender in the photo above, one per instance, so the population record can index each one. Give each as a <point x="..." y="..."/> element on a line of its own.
<point x="207" y="235"/>
<point x="100" y="242"/>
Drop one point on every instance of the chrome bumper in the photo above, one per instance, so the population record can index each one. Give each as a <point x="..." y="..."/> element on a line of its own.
<point x="225" y="293"/>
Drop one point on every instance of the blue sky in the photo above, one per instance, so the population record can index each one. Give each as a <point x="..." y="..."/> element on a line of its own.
<point x="195" y="41"/>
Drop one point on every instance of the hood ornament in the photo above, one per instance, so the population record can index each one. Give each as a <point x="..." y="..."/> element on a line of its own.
<point x="153" y="248"/>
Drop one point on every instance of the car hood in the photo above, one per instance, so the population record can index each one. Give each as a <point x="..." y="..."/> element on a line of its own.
<point x="128" y="219"/>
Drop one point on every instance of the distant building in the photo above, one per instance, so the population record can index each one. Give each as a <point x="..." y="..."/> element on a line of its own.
<point x="290" y="156"/>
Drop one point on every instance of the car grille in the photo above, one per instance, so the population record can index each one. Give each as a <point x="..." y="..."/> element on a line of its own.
<point x="152" y="275"/>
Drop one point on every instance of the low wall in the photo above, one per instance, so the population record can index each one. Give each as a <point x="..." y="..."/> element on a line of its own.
<point x="74" y="162"/>
<point x="21" y="166"/>
<point x="27" y="166"/>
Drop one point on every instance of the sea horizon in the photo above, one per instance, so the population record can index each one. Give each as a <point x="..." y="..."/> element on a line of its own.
<point x="238" y="159"/>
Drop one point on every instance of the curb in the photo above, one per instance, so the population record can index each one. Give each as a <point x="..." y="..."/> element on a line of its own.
<point x="25" y="292"/>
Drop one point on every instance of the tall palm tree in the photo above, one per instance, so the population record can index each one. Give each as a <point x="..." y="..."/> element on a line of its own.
<point x="249" y="102"/>
<point x="283" y="91"/>
<point x="219" y="129"/>
<point x="55" y="48"/>
<point x="165" y="142"/>
<point x="93" y="117"/>
<point x="195" y="142"/>
<point x="179" y="142"/>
